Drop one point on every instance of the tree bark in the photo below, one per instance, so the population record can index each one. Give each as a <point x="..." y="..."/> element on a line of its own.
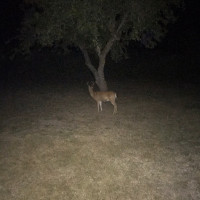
<point x="97" y="73"/>
<point x="101" y="82"/>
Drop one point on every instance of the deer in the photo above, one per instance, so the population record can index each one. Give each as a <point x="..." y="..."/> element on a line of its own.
<point x="102" y="96"/>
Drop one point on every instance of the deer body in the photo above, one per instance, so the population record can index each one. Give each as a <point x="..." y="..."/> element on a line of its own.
<point x="101" y="96"/>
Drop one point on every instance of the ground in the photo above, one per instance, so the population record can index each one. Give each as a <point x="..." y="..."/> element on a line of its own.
<point x="55" y="145"/>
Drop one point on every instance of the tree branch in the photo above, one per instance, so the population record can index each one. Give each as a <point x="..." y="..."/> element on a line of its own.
<point x="115" y="36"/>
<point x="108" y="46"/>
<point x="98" y="50"/>
<point x="121" y="24"/>
<point x="88" y="60"/>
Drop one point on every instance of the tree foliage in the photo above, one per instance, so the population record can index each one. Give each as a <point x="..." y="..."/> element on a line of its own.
<point x="97" y="25"/>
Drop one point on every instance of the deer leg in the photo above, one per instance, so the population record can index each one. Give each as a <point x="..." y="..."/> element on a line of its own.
<point x="100" y="103"/>
<point x="115" y="107"/>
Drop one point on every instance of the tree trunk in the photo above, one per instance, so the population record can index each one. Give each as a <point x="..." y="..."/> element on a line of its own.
<point x="98" y="73"/>
<point x="101" y="82"/>
<point x="102" y="53"/>
<point x="100" y="79"/>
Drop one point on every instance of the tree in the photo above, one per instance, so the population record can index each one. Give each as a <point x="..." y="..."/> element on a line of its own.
<point x="97" y="27"/>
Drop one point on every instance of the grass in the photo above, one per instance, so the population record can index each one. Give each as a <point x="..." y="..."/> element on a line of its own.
<point x="54" y="144"/>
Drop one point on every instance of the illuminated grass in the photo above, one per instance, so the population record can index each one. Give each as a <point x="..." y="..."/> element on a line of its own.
<point x="54" y="144"/>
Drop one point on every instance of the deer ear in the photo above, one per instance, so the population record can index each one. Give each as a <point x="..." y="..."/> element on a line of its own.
<point x="87" y="84"/>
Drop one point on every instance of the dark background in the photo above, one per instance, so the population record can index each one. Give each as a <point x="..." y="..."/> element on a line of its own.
<point x="176" y="58"/>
